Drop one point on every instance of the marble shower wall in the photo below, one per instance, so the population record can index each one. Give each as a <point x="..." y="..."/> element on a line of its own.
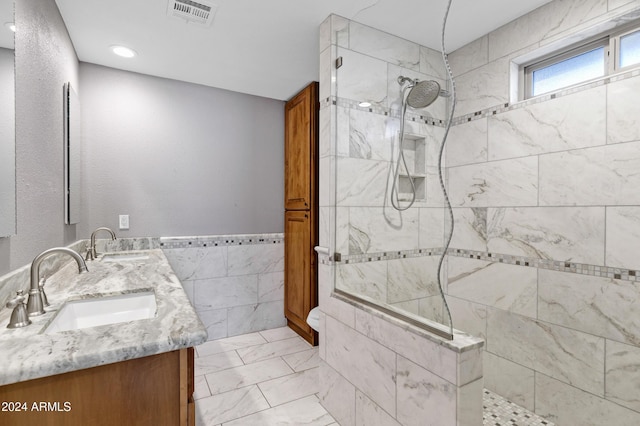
<point x="375" y="369"/>
<point x="235" y="282"/>
<point x="380" y="245"/>
<point x="544" y="262"/>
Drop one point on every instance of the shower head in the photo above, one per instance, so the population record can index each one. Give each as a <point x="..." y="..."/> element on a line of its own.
<point x="423" y="94"/>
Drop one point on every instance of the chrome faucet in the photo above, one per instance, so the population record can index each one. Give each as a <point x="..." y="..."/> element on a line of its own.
<point x="91" y="251"/>
<point x="35" y="303"/>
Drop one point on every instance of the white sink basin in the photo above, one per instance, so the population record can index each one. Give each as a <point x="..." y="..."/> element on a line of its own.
<point x="86" y="313"/>
<point x="124" y="257"/>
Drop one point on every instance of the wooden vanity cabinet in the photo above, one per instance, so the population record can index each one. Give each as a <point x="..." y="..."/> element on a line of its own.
<point x="155" y="390"/>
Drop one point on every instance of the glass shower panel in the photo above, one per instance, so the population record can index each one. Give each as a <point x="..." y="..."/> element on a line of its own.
<point x="387" y="257"/>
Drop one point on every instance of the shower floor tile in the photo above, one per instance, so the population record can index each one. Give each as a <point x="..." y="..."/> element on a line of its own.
<point x="500" y="412"/>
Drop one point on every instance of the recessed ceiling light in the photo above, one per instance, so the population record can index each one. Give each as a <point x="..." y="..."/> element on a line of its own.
<point x="364" y="104"/>
<point x="125" y="52"/>
<point x="11" y="26"/>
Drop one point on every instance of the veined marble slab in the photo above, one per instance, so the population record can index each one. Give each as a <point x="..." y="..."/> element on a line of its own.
<point x="368" y="365"/>
<point x="362" y="182"/>
<point x="569" y="122"/>
<point x="512" y="182"/>
<point x="412" y="278"/>
<point x="605" y="175"/>
<point x="541" y="23"/>
<point x="623" y="375"/>
<point x="368" y="279"/>
<point x="623" y="235"/>
<point x="28" y="353"/>
<point x="508" y="287"/>
<point x="574" y="234"/>
<point x="602" y="306"/>
<point x="571" y="356"/>
<point x="385" y="46"/>
<point x="362" y="78"/>
<point x="567" y="405"/>
<point x="377" y="229"/>
<point x="470" y="230"/>
<point x="467" y="143"/>
<point x="470" y="56"/>
<point x="485" y="87"/>
<point x="423" y="397"/>
<point x="510" y="380"/>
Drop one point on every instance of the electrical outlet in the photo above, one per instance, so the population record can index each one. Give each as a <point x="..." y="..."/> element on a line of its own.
<point x="124" y="221"/>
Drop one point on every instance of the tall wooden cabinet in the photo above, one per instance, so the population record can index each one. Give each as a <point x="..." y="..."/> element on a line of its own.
<point x="301" y="210"/>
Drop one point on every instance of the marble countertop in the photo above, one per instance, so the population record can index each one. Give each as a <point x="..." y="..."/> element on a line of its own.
<point x="28" y="353"/>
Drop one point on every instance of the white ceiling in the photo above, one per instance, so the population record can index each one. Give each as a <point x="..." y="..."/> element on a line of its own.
<point x="262" y="47"/>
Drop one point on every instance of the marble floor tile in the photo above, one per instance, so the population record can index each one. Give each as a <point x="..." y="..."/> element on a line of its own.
<point x="269" y="392"/>
<point x="230" y="405"/>
<point x="305" y="411"/>
<point x="216" y="362"/>
<point x="278" y="334"/>
<point x="201" y="388"/>
<point x="234" y="378"/>
<point x="273" y="349"/>
<point x="304" y="360"/>
<point x="290" y="387"/>
<point x="229" y="344"/>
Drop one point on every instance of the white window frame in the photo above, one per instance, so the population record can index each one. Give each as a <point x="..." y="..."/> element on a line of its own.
<point x="611" y="43"/>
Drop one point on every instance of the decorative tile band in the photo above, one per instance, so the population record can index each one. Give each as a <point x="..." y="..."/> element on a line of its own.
<point x="543" y="98"/>
<point x="498" y="109"/>
<point x="377" y="109"/>
<point x="531" y="262"/>
<point x="554" y="265"/>
<point x="220" y="240"/>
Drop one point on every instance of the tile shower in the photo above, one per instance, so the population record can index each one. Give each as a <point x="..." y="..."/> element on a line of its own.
<point x="543" y="263"/>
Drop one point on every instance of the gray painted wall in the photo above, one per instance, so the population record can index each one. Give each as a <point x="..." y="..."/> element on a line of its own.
<point x="45" y="59"/>
<point x="178" y="158"/>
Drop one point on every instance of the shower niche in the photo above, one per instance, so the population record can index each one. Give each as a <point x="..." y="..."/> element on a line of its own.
<point x="414" y="148"/>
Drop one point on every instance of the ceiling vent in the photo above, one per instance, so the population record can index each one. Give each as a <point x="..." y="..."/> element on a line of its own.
<point x="199" y="12"/>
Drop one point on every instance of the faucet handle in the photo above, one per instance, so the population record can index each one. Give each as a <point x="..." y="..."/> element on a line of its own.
<point x="19" y="299"/>
<point x="19" y="316"/>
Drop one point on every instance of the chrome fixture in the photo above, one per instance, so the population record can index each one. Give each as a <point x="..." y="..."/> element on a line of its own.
<point x="91" y="251"/>
<point x="421" y="94"/>
<point x="35" y="304"/>
<point x="19" y="316"/>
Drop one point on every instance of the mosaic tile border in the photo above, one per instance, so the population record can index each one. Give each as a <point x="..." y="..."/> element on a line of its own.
<point x="531" y="262"/>
<point x="476" y="115"/>
<point x="554" y="265"/>
<point x="544" y="98"/>
<point x="220" y="240"/>
<point x="376" y="109"/>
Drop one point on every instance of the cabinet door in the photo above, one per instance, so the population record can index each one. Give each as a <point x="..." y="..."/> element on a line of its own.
<point x="299" y="282"/>
<point x="301" y="132"/>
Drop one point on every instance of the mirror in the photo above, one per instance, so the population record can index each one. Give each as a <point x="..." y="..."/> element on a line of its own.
<point x="72" y="155"/>
<point x="7" y="124"/>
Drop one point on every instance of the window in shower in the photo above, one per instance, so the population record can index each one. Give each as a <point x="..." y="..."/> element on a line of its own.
<point x="573" y="67"/>
<point x="595" y="58"/>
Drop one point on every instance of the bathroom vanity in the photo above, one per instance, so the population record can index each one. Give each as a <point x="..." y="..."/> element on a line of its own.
<point x="137" y="372"/>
